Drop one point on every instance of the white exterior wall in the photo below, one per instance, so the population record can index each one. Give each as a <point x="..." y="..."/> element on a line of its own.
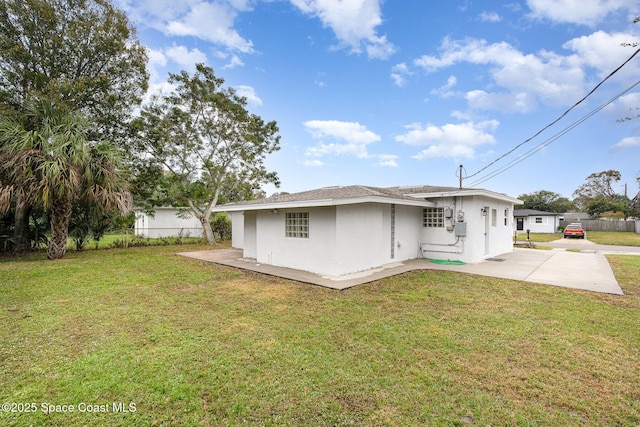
<point x="363" y="237"/>
<point x="439" y="242"/>
<point x="342" y="239"/>
<point x="237" y="230"/>
<point x="315" y="254"/>
<point x="482" y="240"/>
<point x="549" y="224"/>
<point x="350" y="238"/>
<point x="499" y="237"/>
<point x="166" y="223"/>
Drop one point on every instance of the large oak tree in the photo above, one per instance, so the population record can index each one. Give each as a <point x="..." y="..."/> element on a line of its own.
<point x="206" y="143"/>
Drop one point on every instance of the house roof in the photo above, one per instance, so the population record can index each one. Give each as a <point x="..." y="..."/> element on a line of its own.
<point x="333" y="196"/>
<point x="532" y="212"/>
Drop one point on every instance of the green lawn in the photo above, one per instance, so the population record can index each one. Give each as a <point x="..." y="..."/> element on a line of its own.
<point x="540" y="237"/>
<point x="123" y="240"/>
<point x="614" y="238"/>
<point x="192" y="343"/>
<point x="600" y="237"/>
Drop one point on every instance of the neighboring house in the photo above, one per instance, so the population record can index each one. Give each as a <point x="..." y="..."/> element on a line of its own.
<point x="340" y="230"/>
<point x="167" y="222"/>
<point x="536" y="221"/>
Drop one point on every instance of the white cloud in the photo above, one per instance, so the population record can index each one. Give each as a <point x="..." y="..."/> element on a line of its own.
<point x="212" y="22"/>
<point x="387" y="160"/>
<point x="603" y="52"/>
<point x="399" y="74"/>
<point x="445" y="91"/>
<point x="353" y="22"/>
<point x="551" y="78"/>
<point x="585" y="12"/>
<point x="354" y="138"/>
<point x="490" y="17"/>
<point x="313" y="163"/>
<point x="521" y="102"/>
<point x="519" y="81"/>
<point x="249" y="93"/>
<point x="156" y="57"/>
<point x="627" y="143"/>
<point x="186" y="58"/>
<point x="234" y="62"/>
<point x="153" y="12"/>
<point x="451" y="140"/>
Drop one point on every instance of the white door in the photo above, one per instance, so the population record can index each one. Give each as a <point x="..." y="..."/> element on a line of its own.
<point x="487" y="227"/>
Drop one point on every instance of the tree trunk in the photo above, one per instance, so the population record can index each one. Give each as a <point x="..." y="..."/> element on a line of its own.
<point x="21" y="234"/>
<point x="60" y="215"/>
<point x="206" y="226"/>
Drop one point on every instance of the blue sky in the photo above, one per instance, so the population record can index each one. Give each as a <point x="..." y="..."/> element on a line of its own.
<point x="402" y="92"/>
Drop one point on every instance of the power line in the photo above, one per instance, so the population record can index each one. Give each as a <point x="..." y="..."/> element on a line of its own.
<point x="556" y="120"/>
<point x="551" y="139"/>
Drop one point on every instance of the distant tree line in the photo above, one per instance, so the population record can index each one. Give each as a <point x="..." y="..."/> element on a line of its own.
<point x="596" y="197"/>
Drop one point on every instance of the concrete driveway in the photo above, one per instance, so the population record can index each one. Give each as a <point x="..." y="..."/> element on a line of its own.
<point x="588" y="270"/>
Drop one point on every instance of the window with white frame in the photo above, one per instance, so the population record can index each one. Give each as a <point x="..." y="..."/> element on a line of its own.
<point x="494" y="217"/>
<point x="297" y="224"/>
<point x="506" y="217"/>
<point x="538" y="220"/>
<point x="433" y="217"/>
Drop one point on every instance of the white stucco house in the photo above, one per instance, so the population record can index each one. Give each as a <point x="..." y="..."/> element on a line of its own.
<point x="536" y="221"/>
<point x="167" y="222"/>
<point x="335" y="231"/>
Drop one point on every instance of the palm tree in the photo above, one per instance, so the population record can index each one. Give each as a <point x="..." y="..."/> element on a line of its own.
<point x="49" y="161"/>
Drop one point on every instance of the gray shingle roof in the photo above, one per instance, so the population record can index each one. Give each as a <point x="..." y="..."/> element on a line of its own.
<point x="348" y="192"/>
<point x="532" y="212"/>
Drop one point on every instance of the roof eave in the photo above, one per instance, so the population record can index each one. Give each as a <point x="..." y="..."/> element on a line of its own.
<point x="321" y="203"/>
<point x="469" y="192"/>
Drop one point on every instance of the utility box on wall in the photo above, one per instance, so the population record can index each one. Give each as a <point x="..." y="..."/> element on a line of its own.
<point x="460" y="229"/>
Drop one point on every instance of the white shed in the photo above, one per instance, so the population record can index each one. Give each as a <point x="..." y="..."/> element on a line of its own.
<point x="167" y="222"/>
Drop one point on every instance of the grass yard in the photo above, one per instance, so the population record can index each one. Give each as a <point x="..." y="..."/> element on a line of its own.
<point x="184" y="342"/>
<point x="540" y="237"/>
<point x="123" y="240"/>
<point x="599" y="237"/>
<point x="614" y="238"/>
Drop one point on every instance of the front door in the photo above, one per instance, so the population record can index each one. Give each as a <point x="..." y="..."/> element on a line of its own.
<point x="520" y="224"/>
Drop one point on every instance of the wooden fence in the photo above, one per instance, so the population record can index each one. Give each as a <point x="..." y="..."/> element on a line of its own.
<point x="605" y="225"/>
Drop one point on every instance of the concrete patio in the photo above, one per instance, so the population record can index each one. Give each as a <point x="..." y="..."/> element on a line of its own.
<point x="575" y="270"/>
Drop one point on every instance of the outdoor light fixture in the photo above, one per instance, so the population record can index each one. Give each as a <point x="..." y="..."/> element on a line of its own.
<point x="483" y="211"/>
<point x="274" y="211"/>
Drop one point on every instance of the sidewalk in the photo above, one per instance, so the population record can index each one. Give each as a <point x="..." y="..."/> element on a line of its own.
<point x="586" y="271"/>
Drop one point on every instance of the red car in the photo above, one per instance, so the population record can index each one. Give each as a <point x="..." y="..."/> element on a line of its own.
<point x="574" y="230"/>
